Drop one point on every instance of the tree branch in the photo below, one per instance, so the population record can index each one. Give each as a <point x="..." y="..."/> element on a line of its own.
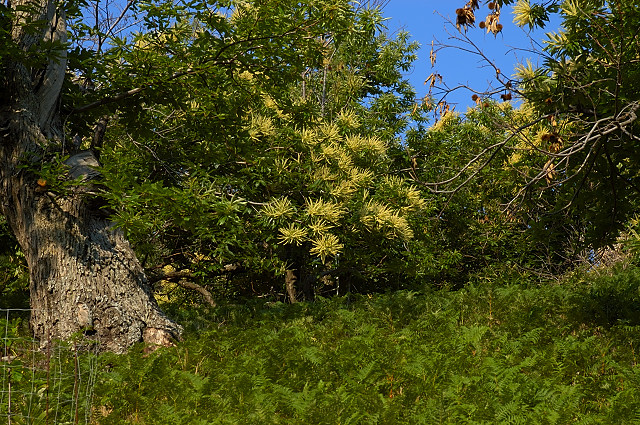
<point x="179" y="277"/>
<point x="497" y="146"/>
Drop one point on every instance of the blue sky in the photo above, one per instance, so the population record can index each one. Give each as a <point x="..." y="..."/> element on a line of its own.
<point x="427" y="20"/>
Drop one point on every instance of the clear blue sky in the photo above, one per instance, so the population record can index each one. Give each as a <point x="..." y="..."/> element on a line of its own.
<point x="426" y="20"/>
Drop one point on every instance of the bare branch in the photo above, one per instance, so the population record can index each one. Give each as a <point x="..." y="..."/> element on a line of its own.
<point x="200" y="289"/>
<point x="119" y="18"/>
<point x="180" y="278"/>
<point x="593" y="139"/>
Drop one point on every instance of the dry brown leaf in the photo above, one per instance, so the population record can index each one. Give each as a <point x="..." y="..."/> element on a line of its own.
<point x="549" y="170"/>
<point x="432" y="55"/>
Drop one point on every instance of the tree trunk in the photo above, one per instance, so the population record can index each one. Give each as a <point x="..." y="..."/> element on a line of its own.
<point x="84" y="275"/>
<point x="290" y="285"/>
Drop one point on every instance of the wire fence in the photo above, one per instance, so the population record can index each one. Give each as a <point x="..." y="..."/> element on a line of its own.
<point x="50" y="383"/>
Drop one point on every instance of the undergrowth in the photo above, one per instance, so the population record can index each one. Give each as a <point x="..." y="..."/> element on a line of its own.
<point x="488" y="354"/>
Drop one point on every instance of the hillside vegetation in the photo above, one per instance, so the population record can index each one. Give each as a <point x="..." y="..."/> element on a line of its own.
<point x="241" y="212"/>
<point x="492" y="353"/>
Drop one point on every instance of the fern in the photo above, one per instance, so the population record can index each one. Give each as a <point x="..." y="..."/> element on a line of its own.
<point x="482" y="355"/>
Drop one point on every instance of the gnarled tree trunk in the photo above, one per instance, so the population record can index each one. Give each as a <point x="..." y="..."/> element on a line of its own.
<point x="84" y="276"/>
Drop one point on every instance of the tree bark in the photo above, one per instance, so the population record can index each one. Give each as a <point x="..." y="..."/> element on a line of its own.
<point x="290" y="285"/>
<point x="84" y="275"/>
